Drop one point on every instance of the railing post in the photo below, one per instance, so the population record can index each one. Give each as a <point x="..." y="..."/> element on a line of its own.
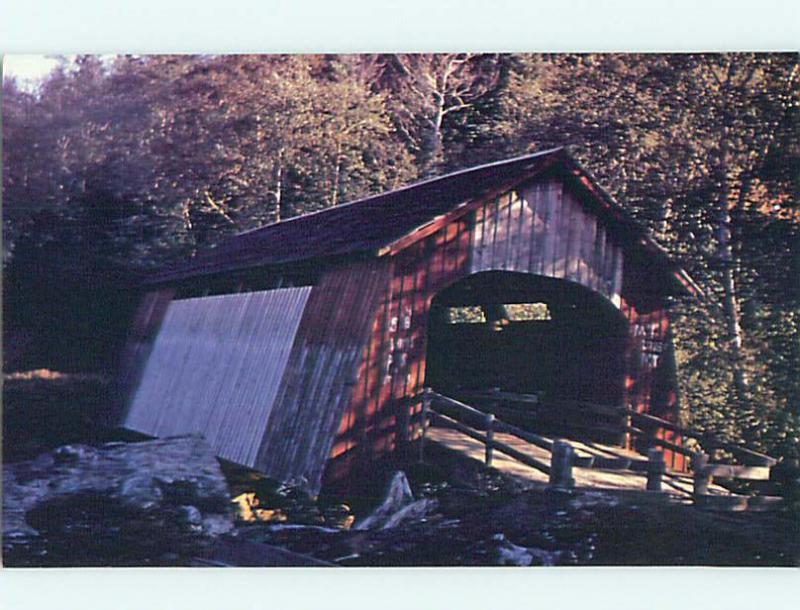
<point x="627" y="422"/>
<point x="655" y="469"/>
<point x="426" y="406"/>
<point x="489" y="439"/>
<point x="701" y="477"/>
<point x="561" y="465"/>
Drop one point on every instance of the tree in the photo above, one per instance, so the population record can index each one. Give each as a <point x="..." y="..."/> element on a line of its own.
<point x="432" y="87"/>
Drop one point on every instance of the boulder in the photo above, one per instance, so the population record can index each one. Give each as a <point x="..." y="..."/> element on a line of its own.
<point x="119" y="504"/>
<point x="510" y="554"/>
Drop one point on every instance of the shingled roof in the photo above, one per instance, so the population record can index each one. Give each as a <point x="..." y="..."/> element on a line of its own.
<point x="374" y="224"/>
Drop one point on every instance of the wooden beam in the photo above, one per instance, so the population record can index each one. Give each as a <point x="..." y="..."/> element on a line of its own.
<point x="757" y="459"/>
<point x="534" y="439"/>
<point x="671" y="446"/>
<point x="728" y="471"/>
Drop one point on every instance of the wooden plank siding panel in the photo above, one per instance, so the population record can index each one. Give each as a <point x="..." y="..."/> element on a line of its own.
<point x="321" y="377"/>
<point x="398" y="342"/>
<point x="651" y="383"/>
<point x="215" y="368"/>
<point x="138" y="346"/>
<point x="546" y="231"/>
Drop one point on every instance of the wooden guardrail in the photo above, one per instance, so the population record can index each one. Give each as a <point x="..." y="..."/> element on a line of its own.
<point x="491" y="425"/>
<point x="757" y="465"/>
<point x="563" y="457"/>
<point x="641" y="420"/>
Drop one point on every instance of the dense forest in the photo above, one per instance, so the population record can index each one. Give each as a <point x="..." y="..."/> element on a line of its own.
<point x="115" y="166"/>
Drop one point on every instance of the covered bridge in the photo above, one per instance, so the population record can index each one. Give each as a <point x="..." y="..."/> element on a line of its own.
<point x="296" y="348"/>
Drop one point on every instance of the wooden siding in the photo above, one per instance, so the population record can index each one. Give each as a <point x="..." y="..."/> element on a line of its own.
<point x="395" y="356"/>
<point x="215" y="369"/>
<point x="141" y="337"/>
<point x="323" y="369"/>
<point x="543" y="229"/>
<point x="651" y="378"/>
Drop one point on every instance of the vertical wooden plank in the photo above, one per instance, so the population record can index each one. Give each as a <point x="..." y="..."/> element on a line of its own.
<point x="573" y="240"/>
<point x="561" y="463"/>
<point x="534" y="201"/>
<point x="553" y="202"/>
<point x="567" y="217"/>
<point x="522" y="260"/>
<point x="485" y="241"/>
<point x="489" y="423"/>
<point x="495" y="217"/>
<point x="655" y="469"/>
<point x="587" y="250"/>
<point x="477" y="246"/>
<point x="599" y="258"/>
<point x="509" y="234"/>
<point x="617" y="277"/>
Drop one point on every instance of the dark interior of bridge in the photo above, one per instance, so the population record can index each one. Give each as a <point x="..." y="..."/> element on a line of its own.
<point x="526" y="334"/>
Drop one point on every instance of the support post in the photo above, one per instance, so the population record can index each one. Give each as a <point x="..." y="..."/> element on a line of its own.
<point x="626" y="422"/>
<point x="563" y="457"/>
<point x="426" y="406"/>
<point x="489" y="439"/>
<point x="655" y="469"/>
<point x="702" y="479"/>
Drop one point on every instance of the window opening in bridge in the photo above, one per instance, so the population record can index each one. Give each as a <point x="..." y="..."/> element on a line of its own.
<point x="470" y="314"/>
<point x="528" y="312"/>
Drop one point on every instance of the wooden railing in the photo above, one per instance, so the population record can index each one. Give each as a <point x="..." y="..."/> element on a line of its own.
<point x="755" y="467"/>
<point x="563" y="457"/>
<point x="490" y="425"/>
<point x="645" y="425"/>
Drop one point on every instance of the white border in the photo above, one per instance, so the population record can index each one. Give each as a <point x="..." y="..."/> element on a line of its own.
<point x="169" y="26"/>
<point x="103" y="26"/>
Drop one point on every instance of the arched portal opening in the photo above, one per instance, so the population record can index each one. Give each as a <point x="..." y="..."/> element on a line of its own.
<point x="531" y="335"/>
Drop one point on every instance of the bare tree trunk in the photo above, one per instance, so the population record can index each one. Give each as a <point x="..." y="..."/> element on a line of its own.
<point x="726" y="256"/>
<point x="730" y="300"/>
<point x="432" y="143"/>
<point x="278" y="190"/>
<point x="336" y="174"/>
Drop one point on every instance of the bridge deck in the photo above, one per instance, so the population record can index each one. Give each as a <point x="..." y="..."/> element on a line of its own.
<point x="678" y="484"/>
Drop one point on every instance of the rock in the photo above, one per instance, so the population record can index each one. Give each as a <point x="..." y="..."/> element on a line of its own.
<point x="190" y="519"/>
<point x="509" y="554"/>
<point x="125" y="504"/>
<point x="338" y="516"/>
<point x="216" y="524"/>
<point x="139" y="492"/>
<point x="398" y="496"/>
<point x="72" y="454"/>
<point x="415" y="511"/>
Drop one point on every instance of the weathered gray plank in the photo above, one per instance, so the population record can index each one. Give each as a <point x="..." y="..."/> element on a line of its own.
<point x="215" y="369"/>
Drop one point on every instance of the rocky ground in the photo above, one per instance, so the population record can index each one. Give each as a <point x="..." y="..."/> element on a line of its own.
<point x="75" y="495"/>
<point x="150" y="503"/>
